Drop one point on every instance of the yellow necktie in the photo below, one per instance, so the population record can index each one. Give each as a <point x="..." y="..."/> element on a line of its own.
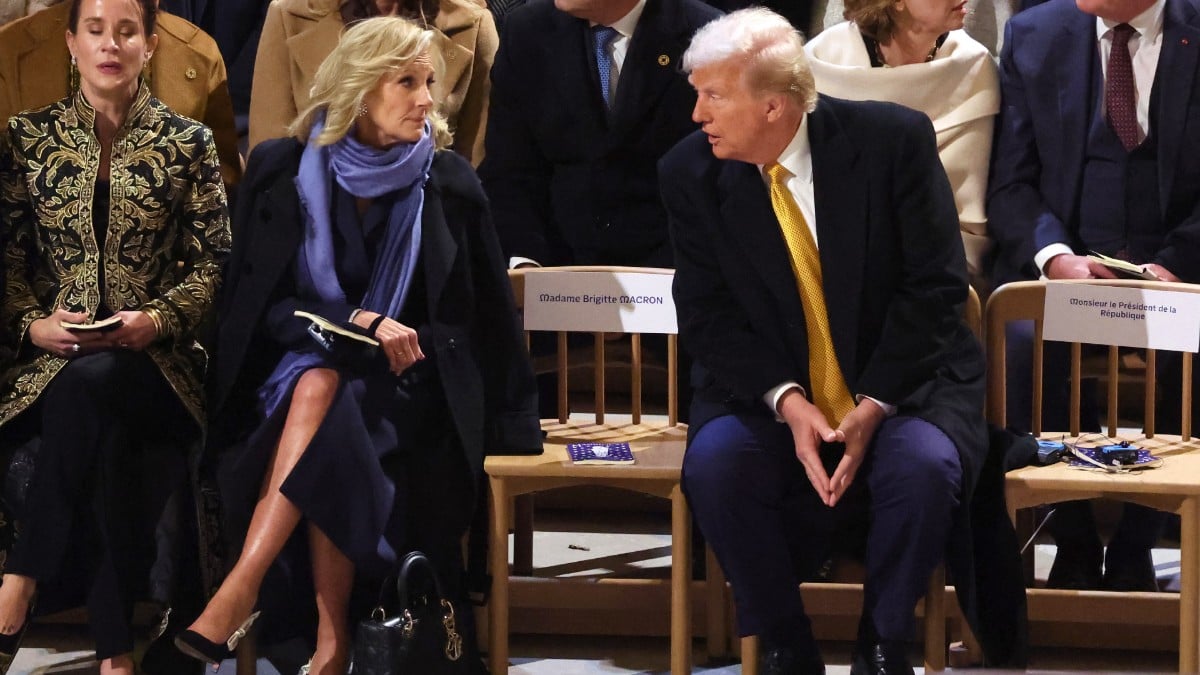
<point x="829" y="391"/>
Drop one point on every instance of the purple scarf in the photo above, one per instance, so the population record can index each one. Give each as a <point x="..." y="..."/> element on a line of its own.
<point x="366" y="173"/>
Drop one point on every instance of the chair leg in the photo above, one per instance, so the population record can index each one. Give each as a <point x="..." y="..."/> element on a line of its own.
<point x="523" y="535"/>
<point x="498" y="610"/>
<point x="681" y="584"/>
<point x="247" y="654"/>
<point x="750" y="655"/>
<point x="935" y="621"/>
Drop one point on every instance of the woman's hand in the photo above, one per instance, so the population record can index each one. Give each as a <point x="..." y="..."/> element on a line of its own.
<point x="48" y="334"/>
<point x="398" y="342"/>
<point x="136" y="333"/>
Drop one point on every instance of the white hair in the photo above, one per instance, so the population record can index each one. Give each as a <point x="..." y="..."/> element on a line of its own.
<point x="770" y="47"/>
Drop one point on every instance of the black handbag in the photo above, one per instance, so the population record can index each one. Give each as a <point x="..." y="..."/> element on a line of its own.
<point x="420" y="638"/>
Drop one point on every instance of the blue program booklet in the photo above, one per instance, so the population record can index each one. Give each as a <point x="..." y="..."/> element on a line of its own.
<point x="600" y="453"/>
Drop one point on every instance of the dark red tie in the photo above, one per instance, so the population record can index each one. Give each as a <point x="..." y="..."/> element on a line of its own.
<point x="1119" y="100"/>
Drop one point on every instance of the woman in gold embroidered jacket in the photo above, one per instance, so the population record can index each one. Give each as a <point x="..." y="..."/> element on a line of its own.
<point x="114" y="211"/>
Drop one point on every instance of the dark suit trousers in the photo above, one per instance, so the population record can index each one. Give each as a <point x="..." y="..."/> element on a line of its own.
<point x="769" y="530"/>
<point x="1073" y="525"/>
<point x="93" y="417"/>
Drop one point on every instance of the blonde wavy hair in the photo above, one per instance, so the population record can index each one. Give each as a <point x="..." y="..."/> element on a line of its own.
<point x="368" y="51"/>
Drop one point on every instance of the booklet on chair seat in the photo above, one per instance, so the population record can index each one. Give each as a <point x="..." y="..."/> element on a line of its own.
<point x="600" y="453"/>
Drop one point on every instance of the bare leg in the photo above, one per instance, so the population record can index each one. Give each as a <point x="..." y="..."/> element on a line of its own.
<point x="333" y="576"/>
<point x="117" y="665"/>
<point x="16" y="592"/>
<point x="274" y="516"/>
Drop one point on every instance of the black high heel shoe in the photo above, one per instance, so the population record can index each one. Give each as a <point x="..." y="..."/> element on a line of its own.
<point x="200" y="648"/>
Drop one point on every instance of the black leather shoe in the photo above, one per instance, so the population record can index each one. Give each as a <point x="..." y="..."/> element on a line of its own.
<point x="786" y="661"/>
<point x="1129" y="571"/>
<point x="1076" y="568"/>
<point x="885" y="657"/>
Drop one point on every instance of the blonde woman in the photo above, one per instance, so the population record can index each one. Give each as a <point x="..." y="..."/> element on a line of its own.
<point x="298" y="34"/>
<point x="371" y="223"/>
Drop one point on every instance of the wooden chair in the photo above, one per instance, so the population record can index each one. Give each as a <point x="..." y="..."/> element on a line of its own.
<point x="658" y="446"/>
<point x="1174" y="487"/>
<point x="843" y="595"/>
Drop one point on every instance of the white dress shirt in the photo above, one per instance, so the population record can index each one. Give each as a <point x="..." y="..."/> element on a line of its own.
<point x="797" y="159"/>
<point x="1144" y="47"/>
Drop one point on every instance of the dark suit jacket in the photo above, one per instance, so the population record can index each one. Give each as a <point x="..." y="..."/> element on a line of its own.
<point x="894" y="278"/>
<point x="1041" y="136"/>
<point x="481" y="358"/>
<point x="569" y="181"/>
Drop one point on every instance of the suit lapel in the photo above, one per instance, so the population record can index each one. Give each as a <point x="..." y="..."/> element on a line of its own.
<point x="1173" y="82"/>
<point x="749" y="219"/>
<point x="650" y="64"/>
<point x="840" y="195"/>
<point x="312" y="35"/>
<point x="1074" y="53"/>
<point x="437" y="245"/>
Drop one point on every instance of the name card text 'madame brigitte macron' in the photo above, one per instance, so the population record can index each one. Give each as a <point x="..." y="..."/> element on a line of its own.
<point x="616" y="302"/>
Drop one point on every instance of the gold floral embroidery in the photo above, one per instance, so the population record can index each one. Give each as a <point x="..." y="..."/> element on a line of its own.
<point x="167" y="235"/>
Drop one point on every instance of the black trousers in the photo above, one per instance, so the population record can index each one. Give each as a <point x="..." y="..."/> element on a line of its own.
<point x="113" y="435"/>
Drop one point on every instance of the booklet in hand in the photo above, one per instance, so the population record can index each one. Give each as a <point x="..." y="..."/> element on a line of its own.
<point x="347" y="343"/>
<point x="600" y="453"/>
<point x="1123" y="269"/>
<point x="103" y="326"/>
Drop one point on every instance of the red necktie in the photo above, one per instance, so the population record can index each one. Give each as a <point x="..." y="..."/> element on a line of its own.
<point x="1119" y="100"/>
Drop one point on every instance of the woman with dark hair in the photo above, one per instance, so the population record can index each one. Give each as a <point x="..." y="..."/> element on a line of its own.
<point x="299" y="34"/>
<point x="118" y="227"/>
<point x="372" y="225"/>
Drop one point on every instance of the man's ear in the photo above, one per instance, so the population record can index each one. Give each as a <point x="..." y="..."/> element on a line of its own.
<point x="776" y="106"/>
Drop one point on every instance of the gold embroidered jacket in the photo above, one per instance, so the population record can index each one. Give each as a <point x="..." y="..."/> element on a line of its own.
<point x="168" y="233"/>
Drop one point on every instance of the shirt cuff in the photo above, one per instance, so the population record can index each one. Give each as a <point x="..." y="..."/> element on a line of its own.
<point x="518" y="260"/>
<point x="888" y="409"/>
<point x="1042" y="257"/>
<point x="771" y="398"/>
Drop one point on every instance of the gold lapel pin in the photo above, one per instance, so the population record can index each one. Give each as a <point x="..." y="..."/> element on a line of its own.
<point x="190" y="73"/>
<point x="664" y="60"/>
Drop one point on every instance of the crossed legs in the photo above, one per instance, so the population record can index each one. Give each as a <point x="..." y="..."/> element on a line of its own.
<point x="274" y="519"/>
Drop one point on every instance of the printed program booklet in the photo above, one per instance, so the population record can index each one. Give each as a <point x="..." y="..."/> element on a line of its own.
<point x="600" y="453"/>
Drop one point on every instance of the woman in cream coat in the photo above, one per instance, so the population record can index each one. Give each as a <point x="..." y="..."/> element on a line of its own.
<point x="912" y="52"/>
<point x="299" y="34"/>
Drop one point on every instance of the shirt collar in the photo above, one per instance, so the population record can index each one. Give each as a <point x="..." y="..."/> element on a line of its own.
<point x="626" y="24"/>
<point x="1148" y="24"/>
<point x="797" y="156"/>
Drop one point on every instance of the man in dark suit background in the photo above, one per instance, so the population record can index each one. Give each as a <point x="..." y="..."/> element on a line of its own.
<point x="817" y="256"/>
<point x="1096" y="150"/>
<point x="570" y="160"/>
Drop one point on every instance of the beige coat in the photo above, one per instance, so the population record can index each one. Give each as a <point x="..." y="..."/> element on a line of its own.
<point x="299" y="34"/>
<point x="186" y="73"/>
<point x="960" y="92"/>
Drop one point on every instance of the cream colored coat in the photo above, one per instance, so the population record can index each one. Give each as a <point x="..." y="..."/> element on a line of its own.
<point x="959" y="90"/>
<point x="299" y="34"/>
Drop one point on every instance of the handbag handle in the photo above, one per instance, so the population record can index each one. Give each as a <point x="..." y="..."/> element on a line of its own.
<point x="416" y="563"/>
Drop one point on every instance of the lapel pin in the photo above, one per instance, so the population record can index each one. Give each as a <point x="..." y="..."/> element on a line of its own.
<point x="190" y="73"/>
<point x="664" y="60"/>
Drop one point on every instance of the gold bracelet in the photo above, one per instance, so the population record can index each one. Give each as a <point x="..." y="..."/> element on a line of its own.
<point x="157" y="319"/>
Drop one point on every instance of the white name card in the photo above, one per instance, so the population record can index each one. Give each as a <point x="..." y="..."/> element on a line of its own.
<point x="614" y="302"/>
<point x="1130" y="317"/>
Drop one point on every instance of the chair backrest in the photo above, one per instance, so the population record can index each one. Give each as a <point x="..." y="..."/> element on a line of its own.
<point x="1025" y="301"/>
<point x="567" y="355"/>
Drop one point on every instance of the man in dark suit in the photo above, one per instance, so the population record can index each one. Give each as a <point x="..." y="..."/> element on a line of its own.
<point x="817" y="257"/>
<point x="1096" y="150"/>
<point x="570" y="159"/>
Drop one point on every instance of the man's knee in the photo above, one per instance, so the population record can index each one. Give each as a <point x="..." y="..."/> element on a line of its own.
<point x="713" y="459"/>
<point x="912" y="453"/>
